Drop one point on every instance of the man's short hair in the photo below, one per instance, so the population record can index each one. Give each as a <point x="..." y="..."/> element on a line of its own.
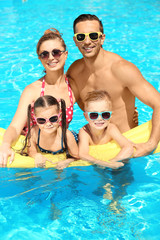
<point x="87" y="17"/>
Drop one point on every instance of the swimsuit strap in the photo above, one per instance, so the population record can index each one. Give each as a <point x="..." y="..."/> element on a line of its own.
<point x="48" y="151"/>
<point x="69" y="90"/>
<point x="43" y="87"/>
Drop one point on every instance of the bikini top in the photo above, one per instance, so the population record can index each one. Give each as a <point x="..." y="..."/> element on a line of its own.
<point x="69" y="110"/>
<point x="48" y="151"/>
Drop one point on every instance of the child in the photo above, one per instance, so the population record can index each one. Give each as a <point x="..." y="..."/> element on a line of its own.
<point x="99" y="130"/>
<point x="50" y="135"/>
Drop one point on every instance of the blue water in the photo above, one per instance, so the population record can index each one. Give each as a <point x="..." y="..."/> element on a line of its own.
<point x="79" y="203"/>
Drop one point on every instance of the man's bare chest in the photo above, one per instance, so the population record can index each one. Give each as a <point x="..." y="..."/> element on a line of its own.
<point x="99" y="81"/>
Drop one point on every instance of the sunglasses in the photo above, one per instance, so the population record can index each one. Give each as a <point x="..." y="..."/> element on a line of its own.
<point x="56" y="53"/>
<point x="95" y="115"/>
<point x="52" y="119"/>
<point x="80" y="37"/>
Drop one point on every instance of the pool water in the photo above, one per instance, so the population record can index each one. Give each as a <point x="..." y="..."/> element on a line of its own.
<point x="79" y="203"/>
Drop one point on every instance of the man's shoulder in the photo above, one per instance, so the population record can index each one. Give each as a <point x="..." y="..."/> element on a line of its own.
<point x="75" y="68"/>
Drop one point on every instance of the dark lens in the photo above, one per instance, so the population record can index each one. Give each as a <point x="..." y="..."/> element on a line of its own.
<point x="56" y="53"/>
<point x="41" y="120"/>
<point x="44" y="55"/>
<point x="93" y="115"/>
<point x="80" y="37"/>
<point x="106" y="115"/>
<point x="93" y="36"/>
<point x="53" y="119"/>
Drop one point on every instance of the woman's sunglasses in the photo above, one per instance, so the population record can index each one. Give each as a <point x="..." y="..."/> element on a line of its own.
<point x="95" y="115"/>
<point x="52" y="119"/>
<point x="56" y="53"/>
<point x="80" y="37"/>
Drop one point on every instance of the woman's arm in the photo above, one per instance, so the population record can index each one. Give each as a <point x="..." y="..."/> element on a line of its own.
<point x="16" y="126"/>
<point x="127" y="149"/>
<point x="84" y="152"/>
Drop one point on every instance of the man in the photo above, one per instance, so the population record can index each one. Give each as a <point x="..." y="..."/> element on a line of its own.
<point x="100" y="69"/>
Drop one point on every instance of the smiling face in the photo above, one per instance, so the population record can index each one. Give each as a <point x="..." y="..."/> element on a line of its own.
<point x="89" y="48"/>
<point x="101" y="105"/>
<point x="47" y="113"/>
<point x="53" y="63"/>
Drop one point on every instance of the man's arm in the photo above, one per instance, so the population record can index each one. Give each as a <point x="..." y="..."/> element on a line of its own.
<point x="131" y="77"/>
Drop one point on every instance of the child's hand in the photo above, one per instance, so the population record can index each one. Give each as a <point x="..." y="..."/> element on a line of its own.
<point x="63" y="164"/>
<point x="112" y="164"/>
<point x="40" y="160"/>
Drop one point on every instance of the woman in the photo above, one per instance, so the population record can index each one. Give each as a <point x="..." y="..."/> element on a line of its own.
<point x="51" y="50"/>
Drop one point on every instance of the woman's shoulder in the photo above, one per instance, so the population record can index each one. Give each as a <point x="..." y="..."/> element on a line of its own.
<point x="34" y="85"/>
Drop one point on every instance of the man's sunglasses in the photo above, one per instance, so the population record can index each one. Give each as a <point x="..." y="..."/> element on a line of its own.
<point x="80" y="37"/>
<point x="52" y="119"/>
<point x="95" y="115"/>
<point x="56" y="53"/>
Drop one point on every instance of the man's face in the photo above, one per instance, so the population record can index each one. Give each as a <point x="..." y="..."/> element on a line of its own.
<point x="88" y="47"/>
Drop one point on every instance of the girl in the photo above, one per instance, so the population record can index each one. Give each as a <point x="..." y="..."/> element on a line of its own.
<point x="100" y="130"/>
<point x="50" y="135"/>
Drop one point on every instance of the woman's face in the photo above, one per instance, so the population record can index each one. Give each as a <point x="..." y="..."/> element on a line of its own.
<point x="51" y="58"/>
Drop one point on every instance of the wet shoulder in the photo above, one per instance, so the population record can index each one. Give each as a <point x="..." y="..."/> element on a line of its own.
<point x="32" y="91"/>
<point x="76" y="68"/>
<point x="119" y="63"/>
<point x="35" y="86"/>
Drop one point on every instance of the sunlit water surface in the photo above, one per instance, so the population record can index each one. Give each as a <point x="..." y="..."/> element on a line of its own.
<point x="80" y="202"/>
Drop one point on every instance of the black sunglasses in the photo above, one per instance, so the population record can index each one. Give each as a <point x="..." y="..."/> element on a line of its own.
<point x="56" y="53"/>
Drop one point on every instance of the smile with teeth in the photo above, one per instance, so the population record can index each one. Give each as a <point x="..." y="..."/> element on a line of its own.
<point x="99" y="124"/>
<point x="88" y="49"/>
<point x="52" y="64"/>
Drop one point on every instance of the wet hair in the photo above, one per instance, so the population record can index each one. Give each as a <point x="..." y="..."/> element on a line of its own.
<point x="98" y="95"/>
<point x="87" y="17"/>
<point x="47" y="101"/>
<point x="50" y="34"/>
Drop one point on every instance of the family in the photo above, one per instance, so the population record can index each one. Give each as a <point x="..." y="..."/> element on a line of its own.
<point x="102" y="83"/>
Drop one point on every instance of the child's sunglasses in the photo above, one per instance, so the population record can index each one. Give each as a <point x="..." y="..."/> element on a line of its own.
<point x="56" y="53"/>
<point x="52" y="119"/>
<point x="80" y="37"/>
<point x="104" y="115"/>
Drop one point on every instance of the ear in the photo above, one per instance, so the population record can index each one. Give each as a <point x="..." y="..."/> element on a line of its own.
<point x="74" y="39"/>
<point x="66" y="54"/>
<point x="103" y="38"/>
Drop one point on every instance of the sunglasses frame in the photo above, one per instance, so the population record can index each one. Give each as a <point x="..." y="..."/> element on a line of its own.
<point x="47" y="119"/>
<point x="99" y="113"/>
<point x="87" y="34"/>
<point x="53" y="54"/>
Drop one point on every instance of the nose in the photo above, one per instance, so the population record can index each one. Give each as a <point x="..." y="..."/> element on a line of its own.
<point x="50" y="55"/>
<point x="87" y="40"/>
<point x="99" y="117"/>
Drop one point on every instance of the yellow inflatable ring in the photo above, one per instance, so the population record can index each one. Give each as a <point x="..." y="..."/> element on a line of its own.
<point x="104" y="152"/>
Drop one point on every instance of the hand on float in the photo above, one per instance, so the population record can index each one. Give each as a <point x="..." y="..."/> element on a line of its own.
<point x="135" y="116"/>
<point x="143" y="149"/>
<point x="63" y="164"/>
<point x="5" y="153"/>
<point x="40" y="160"/>
<point x="111" y="164"/>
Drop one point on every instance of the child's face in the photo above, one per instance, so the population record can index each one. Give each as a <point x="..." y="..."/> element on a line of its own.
<point x="47" y="118"/>
<point x="97" y="106"/>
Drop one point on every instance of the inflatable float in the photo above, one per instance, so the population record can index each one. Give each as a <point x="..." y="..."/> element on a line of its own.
<point x="104" y="152"/>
